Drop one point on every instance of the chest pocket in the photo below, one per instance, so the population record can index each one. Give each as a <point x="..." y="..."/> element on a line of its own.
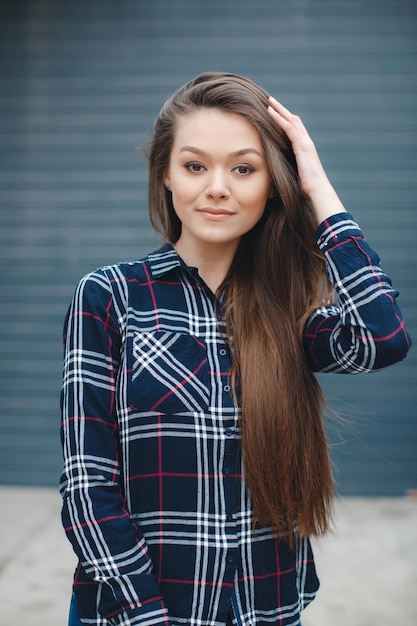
<point x="169" y="373"/>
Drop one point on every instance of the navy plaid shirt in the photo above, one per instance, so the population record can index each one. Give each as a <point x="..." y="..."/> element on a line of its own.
<point x="154" y="499"/>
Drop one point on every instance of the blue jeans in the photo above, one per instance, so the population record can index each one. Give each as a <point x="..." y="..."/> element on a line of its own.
<point x="74" y="619"/>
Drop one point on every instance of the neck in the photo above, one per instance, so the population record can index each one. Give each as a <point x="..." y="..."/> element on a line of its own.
<point x="212" y="261"/>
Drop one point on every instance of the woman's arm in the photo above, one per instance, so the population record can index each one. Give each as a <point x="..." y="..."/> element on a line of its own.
<point x="366" y="331"/>
<point x="111" y="549"/>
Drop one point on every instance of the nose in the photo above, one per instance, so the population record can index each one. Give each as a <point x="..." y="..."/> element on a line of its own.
<point x="217" y="187"/>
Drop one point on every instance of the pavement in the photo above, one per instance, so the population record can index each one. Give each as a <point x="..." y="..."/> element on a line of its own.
<point x="367" y="566"/>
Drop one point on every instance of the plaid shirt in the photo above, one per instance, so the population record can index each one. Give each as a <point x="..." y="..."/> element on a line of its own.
<point x="154" y="500"/>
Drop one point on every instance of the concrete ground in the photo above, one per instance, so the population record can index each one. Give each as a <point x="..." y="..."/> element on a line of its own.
<point x="368" y="566"/>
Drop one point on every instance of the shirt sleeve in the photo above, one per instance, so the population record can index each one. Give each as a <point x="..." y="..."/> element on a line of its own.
<point x="111" y="549"/>
<point x="366" y="330"/>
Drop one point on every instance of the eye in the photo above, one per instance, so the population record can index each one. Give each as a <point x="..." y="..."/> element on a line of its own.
<point x="194" y="167"/>
<point x="244" y="170"/>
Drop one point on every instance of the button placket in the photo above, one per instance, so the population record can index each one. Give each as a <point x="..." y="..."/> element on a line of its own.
<point x="230" y="451"/>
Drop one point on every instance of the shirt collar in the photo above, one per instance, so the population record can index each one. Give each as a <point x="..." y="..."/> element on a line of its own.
<point x="165" y="260"/>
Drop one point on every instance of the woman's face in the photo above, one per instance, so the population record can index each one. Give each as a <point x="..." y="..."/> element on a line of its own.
<point x="219" y="179"/>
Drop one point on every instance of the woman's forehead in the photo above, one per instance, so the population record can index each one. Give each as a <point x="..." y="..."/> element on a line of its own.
<point x="208" y="127"/>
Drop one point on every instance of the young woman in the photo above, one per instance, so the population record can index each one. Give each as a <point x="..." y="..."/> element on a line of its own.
<point x="196" y="465"/>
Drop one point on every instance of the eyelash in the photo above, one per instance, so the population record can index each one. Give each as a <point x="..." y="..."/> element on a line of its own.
<point x="189" y="166"/>
<point x="249" y="169"/>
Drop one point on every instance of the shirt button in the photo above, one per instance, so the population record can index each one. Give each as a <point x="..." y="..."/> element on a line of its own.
<point x="227" y="387"/>
<point x="226" y="471"/>
<point x="228" y="432"/>
<point x="222" y="352"/>
<point x="230" y="558"/>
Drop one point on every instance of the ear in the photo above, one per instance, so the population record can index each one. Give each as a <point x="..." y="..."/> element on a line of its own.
<point x="167" y="180"/>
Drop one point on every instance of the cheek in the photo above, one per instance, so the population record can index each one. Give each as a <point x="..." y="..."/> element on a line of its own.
<point x="182" y="190"/>
<point x="181" y="202"/>
<point x="257" y="208"/>
<point x="258" y="198"/>
<point x="177" y="196"/>
<point x="254" y="212"/>
<point x="259" y="191"/>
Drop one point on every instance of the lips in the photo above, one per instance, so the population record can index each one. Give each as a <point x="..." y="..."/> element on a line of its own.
<point x="215" y="214"/>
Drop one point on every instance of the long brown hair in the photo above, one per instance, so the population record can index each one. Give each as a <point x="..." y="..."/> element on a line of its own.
<point x="275" y="281"/>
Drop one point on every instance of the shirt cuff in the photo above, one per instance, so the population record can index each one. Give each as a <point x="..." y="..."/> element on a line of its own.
<point x="336" y="229"/>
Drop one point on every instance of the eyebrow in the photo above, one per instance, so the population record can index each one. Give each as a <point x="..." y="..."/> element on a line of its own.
<point x="233" y="154"/>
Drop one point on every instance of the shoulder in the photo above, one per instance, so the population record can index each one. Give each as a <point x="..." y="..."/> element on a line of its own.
<point x="115" y="282"/>
<point x="110" y="277"/>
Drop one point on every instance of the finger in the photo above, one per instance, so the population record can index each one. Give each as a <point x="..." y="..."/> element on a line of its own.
<point x="291" y="124"/>
<point x="280" y="120"/>
<point x="280" y="108"/>
<point x="291" y="119"/>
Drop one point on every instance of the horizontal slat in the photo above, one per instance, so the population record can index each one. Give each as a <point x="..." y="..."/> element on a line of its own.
<point x="80" y="86"/>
